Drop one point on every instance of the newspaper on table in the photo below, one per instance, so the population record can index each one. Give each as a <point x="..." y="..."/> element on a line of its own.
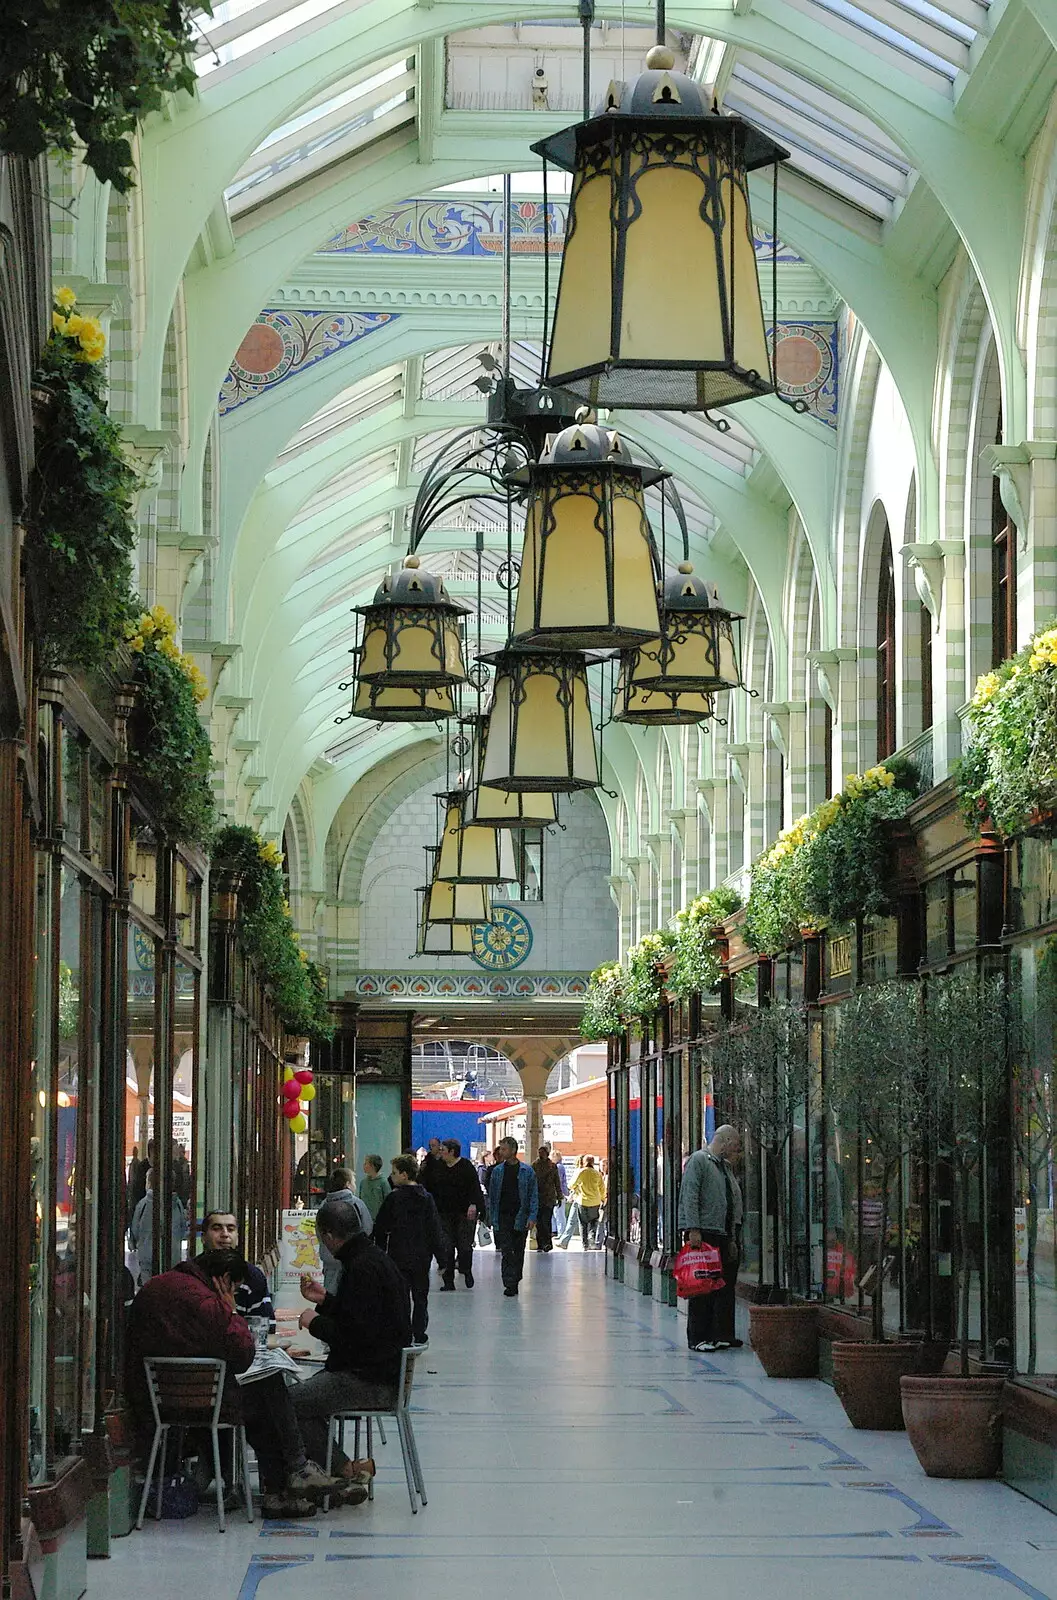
<point x="267" y="1362"/>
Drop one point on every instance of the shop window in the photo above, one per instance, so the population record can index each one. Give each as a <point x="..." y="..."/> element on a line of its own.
<point x="964" y="919"/>
<point x="1034" y="974"/>
<point x="886" y="653"/>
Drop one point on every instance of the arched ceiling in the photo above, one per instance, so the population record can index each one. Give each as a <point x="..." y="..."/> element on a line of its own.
<point x="906" y="121"/>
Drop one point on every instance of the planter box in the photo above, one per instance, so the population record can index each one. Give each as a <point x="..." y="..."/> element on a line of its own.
<point x="59" y="1513"/>
<point x="1029" y="1442"/>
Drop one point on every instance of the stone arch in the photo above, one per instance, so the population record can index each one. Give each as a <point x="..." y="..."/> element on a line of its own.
<point x="877" y="537"/>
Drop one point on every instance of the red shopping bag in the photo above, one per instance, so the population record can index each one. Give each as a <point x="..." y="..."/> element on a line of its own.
<point x="698" y="1270"/>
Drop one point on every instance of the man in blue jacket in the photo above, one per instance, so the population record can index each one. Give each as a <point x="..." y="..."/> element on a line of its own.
<point x="513" y="1200"/>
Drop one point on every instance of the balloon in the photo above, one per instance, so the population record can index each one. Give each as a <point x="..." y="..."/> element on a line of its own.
<point x="304" y="1076"/>
<point x="292" y="1090"/>
<point x="308" y="1092"/>
<point x="288" y="1073"/>
<point x="291" y="1109"/>
<point x="299" y="1124"/>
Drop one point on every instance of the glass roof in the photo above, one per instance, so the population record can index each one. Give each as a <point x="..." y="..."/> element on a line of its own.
<point x="352" y="405"/>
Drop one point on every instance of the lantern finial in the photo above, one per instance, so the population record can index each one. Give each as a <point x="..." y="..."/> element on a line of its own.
<point x="686" y="567"/>
<point x="412" y="561"/>
<point x="660" y="59"/>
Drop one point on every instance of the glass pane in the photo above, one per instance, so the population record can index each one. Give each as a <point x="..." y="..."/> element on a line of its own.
<point x="185" y="1086"/>
<point x="139" y="1100"/>
<point x="66" y="1286"/>
<point x="841" y="1189"/>
<point x="937" y="939"/>
<point x="963" y="884"/>
<point x="41" y="1179"/>
<point x="1034" y="972"/>
<point x="72" y="765"/>
<point x="188" y="899"/>
<point x="143" y="866"/>
<point x="98" y="811"/>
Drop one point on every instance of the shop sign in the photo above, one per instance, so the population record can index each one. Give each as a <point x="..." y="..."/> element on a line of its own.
<point x="298" y="1249"/>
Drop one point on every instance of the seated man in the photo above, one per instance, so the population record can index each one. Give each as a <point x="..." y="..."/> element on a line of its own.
<point x="367" y="1323"/>
<point x="253" y="1298"/>
<point x="191" y="1311"/>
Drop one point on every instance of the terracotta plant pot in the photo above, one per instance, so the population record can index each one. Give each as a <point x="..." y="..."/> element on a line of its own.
<point x="785" y="1339"/>
<point x="955" y="1424"/>
<point x="866" y="1378"/>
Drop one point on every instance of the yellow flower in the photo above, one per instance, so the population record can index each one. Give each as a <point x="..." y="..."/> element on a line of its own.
<point x="76" y="325"/>
<point x="136" y="643"/>
<point x="91" y="351"/>
<point x="65" y="298"/>
<point x="163" y="620"/>
<point x="986" y="689"/>
<point x="58" y="323"/>
<point x="168" y="648"/>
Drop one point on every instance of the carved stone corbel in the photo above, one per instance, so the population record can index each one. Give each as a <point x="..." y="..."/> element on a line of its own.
<point x="930" y="564"/>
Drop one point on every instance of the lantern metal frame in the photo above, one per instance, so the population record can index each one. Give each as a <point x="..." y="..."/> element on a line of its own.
<point x="660" y="121"/>
<point x="514" y="668"/>
<point x="449" y="938"/>
<point x="689" y="610"/>
<point x="650" y="706"/>
<point x="583" y="462"/>
<point x="454" y="902"/>
<point x="377" y="702"/>
<point x="413" y="598"/>
<point x="461" y="841"/>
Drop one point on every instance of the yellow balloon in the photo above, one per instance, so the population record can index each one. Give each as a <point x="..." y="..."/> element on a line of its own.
<point x="298" y="1124"/>
<point x="288" y="1073"/>
<point x="308" y="1092"/>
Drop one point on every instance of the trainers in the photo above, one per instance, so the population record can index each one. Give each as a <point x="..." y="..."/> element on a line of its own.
<point x="310" y="1479"/>
<point x="705" y="1347"/>
<point x="510" y="1293"/>
<point x="288" y="1506"/>
<point x="350" y="1494"/>
<point x="563" y="1244"/>
<point x="361" y="1471"/>
<point x="469" y="1279"/>
<point x="447" y="1288"/>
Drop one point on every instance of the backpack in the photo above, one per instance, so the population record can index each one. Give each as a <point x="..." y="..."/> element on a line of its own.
<point x="698" y="1270"/>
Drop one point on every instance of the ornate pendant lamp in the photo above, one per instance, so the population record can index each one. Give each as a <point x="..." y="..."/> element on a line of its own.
<point x="653" y="707"/>
<point x="412" y="637"/>
<point x="471" y="854"/>
<point x="468" y="903"/>
<point x="659" y="300"/>
<point x="700" y="643"/>
<point x="541" y="736"/>
<point x="498" y="808"/>
<point x="588" y="568"/>
<point x="441" y="938"/>
<point x="377" y="703"/>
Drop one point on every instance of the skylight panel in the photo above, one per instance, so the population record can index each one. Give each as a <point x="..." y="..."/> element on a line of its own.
<point x="238" y="27"/>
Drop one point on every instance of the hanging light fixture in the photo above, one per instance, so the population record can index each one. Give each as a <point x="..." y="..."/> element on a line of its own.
<point x="499" y="808"/>
<point x="653" y="707"/>
<point x="471" y="854"/>
<point x="588" y="567"/>
<point x="441" y="938"/>
<point x="377" y="703"/>
<point x="698" y="650"/>
<point x="659" y="301"/>
<point x="412" y="635"/>
<point x="540" y="735"/>
<point x="454" y="902"/>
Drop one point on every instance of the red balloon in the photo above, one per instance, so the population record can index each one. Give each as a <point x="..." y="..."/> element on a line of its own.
<point x="305" y="1076"/>
<point x="292" y="1089"/>
<point x="291" y="1109"/>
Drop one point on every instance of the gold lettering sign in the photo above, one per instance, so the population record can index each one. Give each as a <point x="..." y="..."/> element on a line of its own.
<point x="838" y="955"/>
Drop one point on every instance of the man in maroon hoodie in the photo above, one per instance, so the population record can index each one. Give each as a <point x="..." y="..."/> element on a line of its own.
<point x="190" y="1311"/>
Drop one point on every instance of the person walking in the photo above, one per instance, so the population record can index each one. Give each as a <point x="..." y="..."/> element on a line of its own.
<point x="572" y="1208"/>
<point x="513" y="1201"/>
<point x="408" y="1229"/>
<point x="141" y="1229"/>
<point x="373" y="1187"/>
<point x="459" y="1200"/>
<point x="549" y="1189"/>
<point x="710" y="1212"/>
<point x="589" y="1191"/>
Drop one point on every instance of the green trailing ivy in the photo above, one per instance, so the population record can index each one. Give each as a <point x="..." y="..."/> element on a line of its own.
<point x="86" y="72"/>
<point x="1009" y="771"/>
<point x="833" y="864"/>
<point x="643" y="980"/>
<point x="170" y="756"/>
<point x="81" y="533"/>
<point x="696" y="968"/>
<point x="603" y="1013"/>
<point x="297" y="985"/>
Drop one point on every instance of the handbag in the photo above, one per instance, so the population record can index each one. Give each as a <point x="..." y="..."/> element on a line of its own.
<point x="179" y="1498"/>
<point x="698" y="1270"/>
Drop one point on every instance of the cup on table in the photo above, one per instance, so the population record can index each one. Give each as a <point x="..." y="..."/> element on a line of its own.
<point x="259" y="1326"/>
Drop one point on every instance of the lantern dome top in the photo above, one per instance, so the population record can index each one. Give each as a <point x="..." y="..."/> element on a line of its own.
<point x="413" y="585"/>
<point x="659" y="91"/>
<point x="585" y="441"/>
<point x="685" y="590"/>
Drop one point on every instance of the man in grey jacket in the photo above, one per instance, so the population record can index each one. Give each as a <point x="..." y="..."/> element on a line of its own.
<point x="710" y="1212"/>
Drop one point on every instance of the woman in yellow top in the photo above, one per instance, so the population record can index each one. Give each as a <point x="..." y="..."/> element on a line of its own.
<point x="589" y="1191"/>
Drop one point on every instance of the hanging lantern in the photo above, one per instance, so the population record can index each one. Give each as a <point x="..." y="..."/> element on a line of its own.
<point x="698" y="650"/>
<point x="454" y="902"/>
<point x="496" y="808"/>
<point x="659" y="300"/>
<point x="441" y="938"/>
<point x="588" y="567"/>
<point x="377" y="703"/>
<point x="653" y="707"/>
<point x="541" y="737"/>
<point x="411" y="632"/>
<point x="470" y="854"/>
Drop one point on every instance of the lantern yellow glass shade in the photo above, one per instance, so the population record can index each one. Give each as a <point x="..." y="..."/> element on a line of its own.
<point x="697" y="650"/>
<point x="458" y="902"/>
<point x="650" y="706"/>
<point x="659" y="300"/>
<point x="496" y="808"/>
<point x="587" y="578"/>
<point x="442" y="938"/>
<point x="470" y="854"/>
<point x="418" y="646"/>
<point x="377" y="703"/>
<point x="540" y="737"/>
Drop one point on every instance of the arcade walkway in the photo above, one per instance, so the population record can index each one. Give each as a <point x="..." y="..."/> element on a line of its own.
<point x="574" y="1451"/>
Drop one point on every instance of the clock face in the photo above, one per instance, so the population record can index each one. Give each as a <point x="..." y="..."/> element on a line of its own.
<point x="143" y="948"/>
<point x="503" y="943"/>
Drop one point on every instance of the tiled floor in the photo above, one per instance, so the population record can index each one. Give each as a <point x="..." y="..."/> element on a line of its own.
<point x="574" y="1450"/>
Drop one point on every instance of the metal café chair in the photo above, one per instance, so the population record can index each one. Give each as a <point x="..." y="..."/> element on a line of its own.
<point x="188" y="1392"/>
<point x="400" y="1411"/>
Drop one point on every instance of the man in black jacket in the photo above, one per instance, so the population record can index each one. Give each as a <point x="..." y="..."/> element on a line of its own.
<point x="459" y="1202"/>
<point x="408" y="1228"/>
<point x="367" y="1323"/>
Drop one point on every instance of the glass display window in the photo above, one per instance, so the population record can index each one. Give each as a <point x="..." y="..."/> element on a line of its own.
<point x="143" y="878"/>
<point x="187" y="897"/>
<point x="1034" y="975"/>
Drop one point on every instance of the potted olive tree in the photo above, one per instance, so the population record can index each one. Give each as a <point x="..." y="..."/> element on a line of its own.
<point x="954" y="1421"/>
<point x="771" y="1075"/>
<point x="876" y="1089"/>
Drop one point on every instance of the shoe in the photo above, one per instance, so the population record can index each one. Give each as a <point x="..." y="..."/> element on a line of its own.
<point x="361" y="1471"/>
<point x="563" y="1244"/>
<point x="350" y="1494"/>
<point x="704" y="1348"/>
<point x="420" y="1344"/>
<point x="510" y="1293"/>
<point x="469" y="1280"/>
<point x="288" y="1506"/>
<point x="311" y="1479"/>
<point x="447" y="1288"/>
<point x="729" y="1344"/>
